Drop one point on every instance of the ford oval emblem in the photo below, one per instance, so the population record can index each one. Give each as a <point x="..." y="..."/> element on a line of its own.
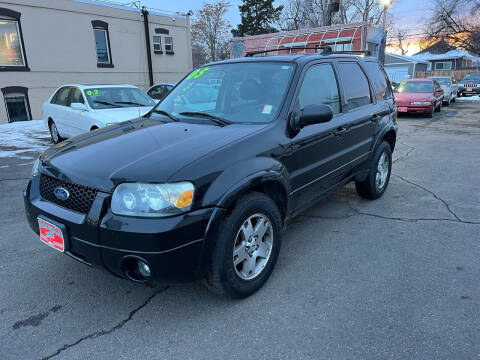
<point x="61" y="193"/>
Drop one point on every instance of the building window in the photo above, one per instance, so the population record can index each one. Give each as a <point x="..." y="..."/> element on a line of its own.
<point x="102" y="43"/>
<point x="16" y="103"/>
<point x="157" y="45"/>
<point x="343" y="47"/>
<point x="447" y="65"/>
<point x="12" y="53"/>
<point x="168" y="45"/>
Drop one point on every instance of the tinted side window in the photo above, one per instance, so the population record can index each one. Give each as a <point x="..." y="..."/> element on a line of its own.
<point x="379" y="80"/>
<point x="355" y="85"/>
<point x="320" y="87"/>
<point x="77" y="96"/>
<point x="62" y="96"/>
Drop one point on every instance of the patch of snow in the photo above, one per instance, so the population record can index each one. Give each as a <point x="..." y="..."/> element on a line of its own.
<point x="23" y="139"/>
<point x="452" y="54"/>
<point x="469" y="98"/>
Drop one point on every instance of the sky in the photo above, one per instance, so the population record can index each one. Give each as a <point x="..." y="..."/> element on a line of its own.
<point x="407" y="13"/>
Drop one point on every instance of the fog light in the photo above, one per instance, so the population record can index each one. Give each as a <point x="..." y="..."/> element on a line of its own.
<point x="143" y="269"/>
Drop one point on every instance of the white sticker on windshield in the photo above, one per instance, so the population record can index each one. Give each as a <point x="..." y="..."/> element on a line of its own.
<point x="267" y="109"/>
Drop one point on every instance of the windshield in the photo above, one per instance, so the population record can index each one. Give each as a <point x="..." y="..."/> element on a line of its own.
<point x="414" y="87"/>
<point x="107" y="98"/>
<point x="236" y="92"/>
<point x="444" y="81"/>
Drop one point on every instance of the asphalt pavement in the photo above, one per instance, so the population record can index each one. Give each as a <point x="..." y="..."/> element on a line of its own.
<point x="395" y="278"/>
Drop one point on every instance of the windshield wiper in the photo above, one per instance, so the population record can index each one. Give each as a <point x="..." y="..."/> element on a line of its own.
<point x="166" y="113"/>
<point x="105" y="103"/>
<point x="216" y="119"/>
<point x="131" y="103"/>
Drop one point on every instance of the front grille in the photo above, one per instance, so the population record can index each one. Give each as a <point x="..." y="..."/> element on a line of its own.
<point x="81" y="197"/>
<point x="470" y="85"/>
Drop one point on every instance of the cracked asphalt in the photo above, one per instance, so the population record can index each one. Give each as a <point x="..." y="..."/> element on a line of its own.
<point x="395" y="278"/>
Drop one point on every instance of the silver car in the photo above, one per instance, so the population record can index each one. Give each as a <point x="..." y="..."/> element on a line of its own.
<point x="449" y="86"/>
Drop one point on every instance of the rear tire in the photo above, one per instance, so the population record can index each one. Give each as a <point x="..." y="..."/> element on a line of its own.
<point x="377" y="180"/>
<point x="54" y="134"/>
<point x="246" y="248"/>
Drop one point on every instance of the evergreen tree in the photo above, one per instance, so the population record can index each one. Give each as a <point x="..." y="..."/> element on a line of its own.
<point x="257" y="18"/>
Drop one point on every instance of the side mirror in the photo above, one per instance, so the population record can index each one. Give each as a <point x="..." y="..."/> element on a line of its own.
<point x="311" y="114"/>
<point x="78" y="106"/>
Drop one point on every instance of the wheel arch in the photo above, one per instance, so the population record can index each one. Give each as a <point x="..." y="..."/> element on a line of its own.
<point x="271" y="183"/>
<point x="390" y="136"/>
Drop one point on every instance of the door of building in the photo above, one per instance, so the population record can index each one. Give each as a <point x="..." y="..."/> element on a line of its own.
<point x="16" y="106"/>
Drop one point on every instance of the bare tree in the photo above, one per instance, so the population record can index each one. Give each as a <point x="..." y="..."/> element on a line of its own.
<point x="457" y="23"/>
<point x="300" y="14"/>
<point x="210" y="29"/>
<point x="292" y="17"/>
<point x="398" y="39"/>
<point x="369" y="11"/>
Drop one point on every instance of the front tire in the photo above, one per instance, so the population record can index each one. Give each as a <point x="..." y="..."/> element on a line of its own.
<point x="439" y="107"/>
<point x="54" y="134"/>
<point x="246" y="248"/>
<point x="447" y="103"/>
<point x="377" y="180"/>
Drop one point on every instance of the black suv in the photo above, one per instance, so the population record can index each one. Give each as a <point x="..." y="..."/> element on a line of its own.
<point x="203" y="186"/>
<point x="469" y="85"/>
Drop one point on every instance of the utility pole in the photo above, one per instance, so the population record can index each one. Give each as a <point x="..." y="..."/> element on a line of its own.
<point x="333" y="7"/>
<point x="386" y="4"/>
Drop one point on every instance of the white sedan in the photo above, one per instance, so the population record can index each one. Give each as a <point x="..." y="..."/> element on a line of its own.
<point x="75" y="109"/>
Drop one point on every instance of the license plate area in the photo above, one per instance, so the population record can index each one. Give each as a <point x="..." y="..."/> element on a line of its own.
<point x="402" y="109"/>
<point x="51" y="234"/>
<point x="469" y="89"/>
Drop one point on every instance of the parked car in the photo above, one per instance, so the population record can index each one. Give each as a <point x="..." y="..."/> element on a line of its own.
<point x="159" y="91"/>
<point x="469" y="85"/>
<point x="186" y="194"/>
<point x="75" y="109"/>
<point x="449" y="86"/>
<point x="422" y="96"/>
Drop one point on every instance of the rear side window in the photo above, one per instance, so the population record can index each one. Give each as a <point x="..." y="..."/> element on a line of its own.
<point x="379" y="80"/>
<point x="320" y="87"/>
<point x="355" y="85"/>
<point x="62" y="96"/>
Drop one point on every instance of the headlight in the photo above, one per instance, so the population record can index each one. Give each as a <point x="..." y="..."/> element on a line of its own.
<point x="154" y="200"/>
<point x="36" y="168"/>
<point x="421" y="103"/>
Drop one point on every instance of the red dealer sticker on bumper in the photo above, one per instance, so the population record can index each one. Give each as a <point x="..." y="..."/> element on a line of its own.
<point x="402" y="109"/>
<point x="51" y="235"/>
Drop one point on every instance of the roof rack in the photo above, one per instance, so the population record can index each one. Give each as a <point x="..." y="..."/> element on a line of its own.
<point x="327" y="50"/>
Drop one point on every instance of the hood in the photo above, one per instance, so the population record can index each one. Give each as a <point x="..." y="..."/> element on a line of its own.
<point x="116" y="115"/>
<point x="141" y="150"/>
<point x="409" y="97"/>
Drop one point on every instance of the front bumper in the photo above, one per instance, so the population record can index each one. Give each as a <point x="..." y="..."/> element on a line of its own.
<point x="173" y="247"/>
<point x="474" y="90"/>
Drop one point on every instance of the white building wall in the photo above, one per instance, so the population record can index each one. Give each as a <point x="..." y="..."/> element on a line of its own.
<point x="60" y="48"/>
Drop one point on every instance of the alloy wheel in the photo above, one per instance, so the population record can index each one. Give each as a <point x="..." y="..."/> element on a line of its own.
<point x="54" y="132"/>
<point x="383" y="168"/>
<point x="253" y="246"/>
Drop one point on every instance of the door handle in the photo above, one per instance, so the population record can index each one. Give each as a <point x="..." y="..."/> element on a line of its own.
<point x="340" y="131"/>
